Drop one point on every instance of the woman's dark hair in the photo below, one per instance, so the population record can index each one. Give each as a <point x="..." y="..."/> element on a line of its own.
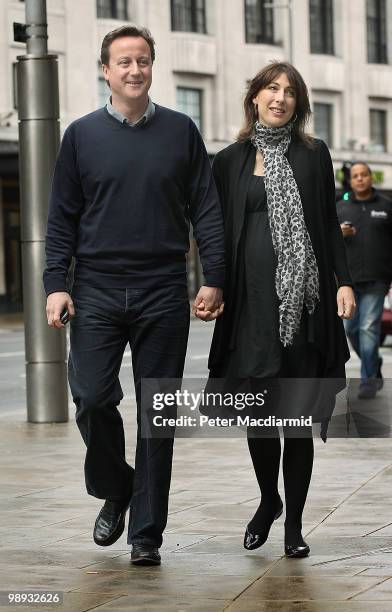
<point x="120" y="33"/>
<point x="261" y="81"/>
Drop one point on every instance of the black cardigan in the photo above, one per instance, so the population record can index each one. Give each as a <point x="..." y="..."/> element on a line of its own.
<point x="313" y="172"/>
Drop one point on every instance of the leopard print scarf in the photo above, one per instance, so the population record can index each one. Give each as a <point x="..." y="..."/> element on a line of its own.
<point x="297" y="277"/>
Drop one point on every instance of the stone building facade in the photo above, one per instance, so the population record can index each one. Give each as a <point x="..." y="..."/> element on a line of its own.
<point x="207" y="50"/>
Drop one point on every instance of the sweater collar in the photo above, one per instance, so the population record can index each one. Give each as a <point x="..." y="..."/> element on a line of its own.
<point x="147" y="115"/>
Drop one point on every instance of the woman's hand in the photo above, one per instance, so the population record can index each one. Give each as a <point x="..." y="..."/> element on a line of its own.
<point x="346" y="302"/>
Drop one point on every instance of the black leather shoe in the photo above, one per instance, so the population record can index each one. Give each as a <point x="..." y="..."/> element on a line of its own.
<point x="144" y="554"/>
<point x="255" y="540"/>
<point x="110" y="522"/>
<point x="296" y="552"/>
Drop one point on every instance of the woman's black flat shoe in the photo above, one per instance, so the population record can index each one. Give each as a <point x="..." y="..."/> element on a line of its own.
<point x="255" y="540"/>
<point x="296" y="552"/>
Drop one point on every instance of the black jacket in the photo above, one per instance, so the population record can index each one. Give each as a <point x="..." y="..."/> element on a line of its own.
<point x="369" y="252"/>
<point x="314" y="175"/>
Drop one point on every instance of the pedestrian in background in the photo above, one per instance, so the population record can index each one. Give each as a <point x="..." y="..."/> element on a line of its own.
<point x="128" y="180"/>
<point x="283" y="304"/>
<point x="366" y="222"/>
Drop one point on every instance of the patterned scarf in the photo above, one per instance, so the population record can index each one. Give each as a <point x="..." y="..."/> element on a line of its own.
<point x="297" y="278"/>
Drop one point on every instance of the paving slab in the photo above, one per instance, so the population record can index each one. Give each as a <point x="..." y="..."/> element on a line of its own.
<point x="382" y="591"/>
<point x="305" y="606"/>
<point x="306" y="588"/>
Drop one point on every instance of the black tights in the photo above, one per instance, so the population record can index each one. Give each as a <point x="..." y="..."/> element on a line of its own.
<point x="297" y="471"/>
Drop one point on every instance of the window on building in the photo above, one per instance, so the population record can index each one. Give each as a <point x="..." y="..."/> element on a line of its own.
<point x="321" y="26"/>
<point x="188" y="15"/>
<point x="376" y="32"/>
<point x="103" y="91"/>
<point x="112" y="9"/>
<point x="259" y="22"/>
<point x="189" y="102"/>
<point x="378" y="130"/>
<point x="322" y="116"/>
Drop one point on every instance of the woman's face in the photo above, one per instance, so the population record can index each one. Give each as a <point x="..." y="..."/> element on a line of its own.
<point x="276" y="102"/>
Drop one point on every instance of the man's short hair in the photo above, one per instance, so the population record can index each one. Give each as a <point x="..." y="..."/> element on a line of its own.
<point x="126" y="31"/>
<point x="361" y="163"/>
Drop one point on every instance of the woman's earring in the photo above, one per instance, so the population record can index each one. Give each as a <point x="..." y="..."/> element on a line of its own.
<point x="256" y="109"/>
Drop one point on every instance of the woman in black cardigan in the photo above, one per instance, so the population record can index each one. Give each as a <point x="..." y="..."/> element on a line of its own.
<point x="288" y="285"/>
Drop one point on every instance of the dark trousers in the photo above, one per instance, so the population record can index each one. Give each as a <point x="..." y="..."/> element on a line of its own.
<point x="155" y="323"/>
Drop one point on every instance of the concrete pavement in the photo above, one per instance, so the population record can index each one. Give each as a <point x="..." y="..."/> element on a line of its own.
<point x="47" y="519"/>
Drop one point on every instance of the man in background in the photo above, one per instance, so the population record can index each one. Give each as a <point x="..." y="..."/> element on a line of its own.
<point x="366" y="222"/>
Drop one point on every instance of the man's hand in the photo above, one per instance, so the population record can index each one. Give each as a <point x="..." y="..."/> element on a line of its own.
<point x="346" y="302"/>
<point x="348" y="230"/>
<point x="208" y="304"/>
<point x="55" y="304"/>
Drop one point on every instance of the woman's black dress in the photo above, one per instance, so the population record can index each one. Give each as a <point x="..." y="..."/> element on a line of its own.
<point x="258" y="354"/>
<point x="258" y="351"/>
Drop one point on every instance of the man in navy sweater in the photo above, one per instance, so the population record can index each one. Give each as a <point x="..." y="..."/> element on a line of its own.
<point x="128" y="180"/>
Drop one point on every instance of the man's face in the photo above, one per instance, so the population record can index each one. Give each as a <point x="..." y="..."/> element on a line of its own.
<point x="130" y="68"/>
<point x="361" y="179"/>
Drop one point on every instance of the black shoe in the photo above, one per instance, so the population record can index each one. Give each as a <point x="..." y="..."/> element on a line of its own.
<point x="296" y="552"/>
<point x="255" y="540"/>
<point x="110" y="522"/>
<point x="367" y="391"/>
<point x="379" y="378"/>
<point x="145" y="554"/>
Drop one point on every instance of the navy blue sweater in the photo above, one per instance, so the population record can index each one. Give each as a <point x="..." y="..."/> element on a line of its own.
<point x="121" y="203"/>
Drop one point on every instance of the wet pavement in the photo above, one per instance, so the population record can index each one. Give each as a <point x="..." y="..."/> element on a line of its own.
<point x="47" y="519"/>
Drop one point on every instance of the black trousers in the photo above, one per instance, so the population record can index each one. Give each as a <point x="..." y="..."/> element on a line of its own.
<point x="155" y="323"/>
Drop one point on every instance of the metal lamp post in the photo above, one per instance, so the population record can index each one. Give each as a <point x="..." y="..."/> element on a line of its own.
<point x="39" y="137"/>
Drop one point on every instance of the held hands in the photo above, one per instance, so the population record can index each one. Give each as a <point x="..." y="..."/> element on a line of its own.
<point x="55" y="304"/>
<point x="208" y="304"/>
<point x="346" y="302"/>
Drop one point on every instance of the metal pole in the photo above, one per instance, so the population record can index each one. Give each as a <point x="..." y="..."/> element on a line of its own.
<point x="39" y="137"/>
